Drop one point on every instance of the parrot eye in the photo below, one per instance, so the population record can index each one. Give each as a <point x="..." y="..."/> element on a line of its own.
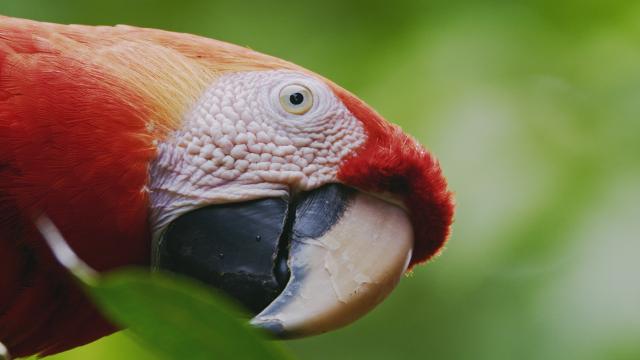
<point x="296" y="99"/>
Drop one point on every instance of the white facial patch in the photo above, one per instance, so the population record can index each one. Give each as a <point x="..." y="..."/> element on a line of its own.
<point x="240" y="143"/>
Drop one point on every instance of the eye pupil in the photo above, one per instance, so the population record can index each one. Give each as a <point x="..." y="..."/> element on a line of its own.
<point x="296" y="98"/>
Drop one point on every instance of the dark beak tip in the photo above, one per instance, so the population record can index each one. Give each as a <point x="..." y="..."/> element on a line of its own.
<point x="274" y="328"/>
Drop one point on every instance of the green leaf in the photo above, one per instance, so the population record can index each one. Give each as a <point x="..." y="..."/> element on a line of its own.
<point x="175" y="316"/>
<point x="178" y="318"/>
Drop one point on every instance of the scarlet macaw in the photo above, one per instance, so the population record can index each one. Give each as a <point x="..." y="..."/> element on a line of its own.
<point x="173" y="151"/>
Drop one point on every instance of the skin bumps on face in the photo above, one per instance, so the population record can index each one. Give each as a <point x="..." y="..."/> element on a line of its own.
<point x="240" y="143"/>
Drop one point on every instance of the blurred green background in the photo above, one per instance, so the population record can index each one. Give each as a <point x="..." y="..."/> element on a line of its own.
<point x="533" y="108"/>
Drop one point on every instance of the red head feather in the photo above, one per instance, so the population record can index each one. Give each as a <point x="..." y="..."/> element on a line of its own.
<point x="81" y="109"/>
<point x="63" y="131"/>
<point x="392" y="162"/>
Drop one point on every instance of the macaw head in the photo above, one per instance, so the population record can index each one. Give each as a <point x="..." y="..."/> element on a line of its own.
<point x="293" y="196"/>
<point x="246" y="172"/>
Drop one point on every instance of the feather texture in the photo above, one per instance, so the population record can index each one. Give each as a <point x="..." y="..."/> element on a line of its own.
<point x="81" y="109"/>
<point x="81" y="112"/>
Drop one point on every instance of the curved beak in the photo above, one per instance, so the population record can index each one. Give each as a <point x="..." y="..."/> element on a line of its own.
<point x="304" y="265"/>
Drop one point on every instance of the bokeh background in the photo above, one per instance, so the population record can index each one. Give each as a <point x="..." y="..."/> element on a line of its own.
<point x="533" y="108"/>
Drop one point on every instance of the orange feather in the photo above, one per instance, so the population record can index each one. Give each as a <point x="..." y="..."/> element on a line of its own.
<point x="80" y="110"/>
